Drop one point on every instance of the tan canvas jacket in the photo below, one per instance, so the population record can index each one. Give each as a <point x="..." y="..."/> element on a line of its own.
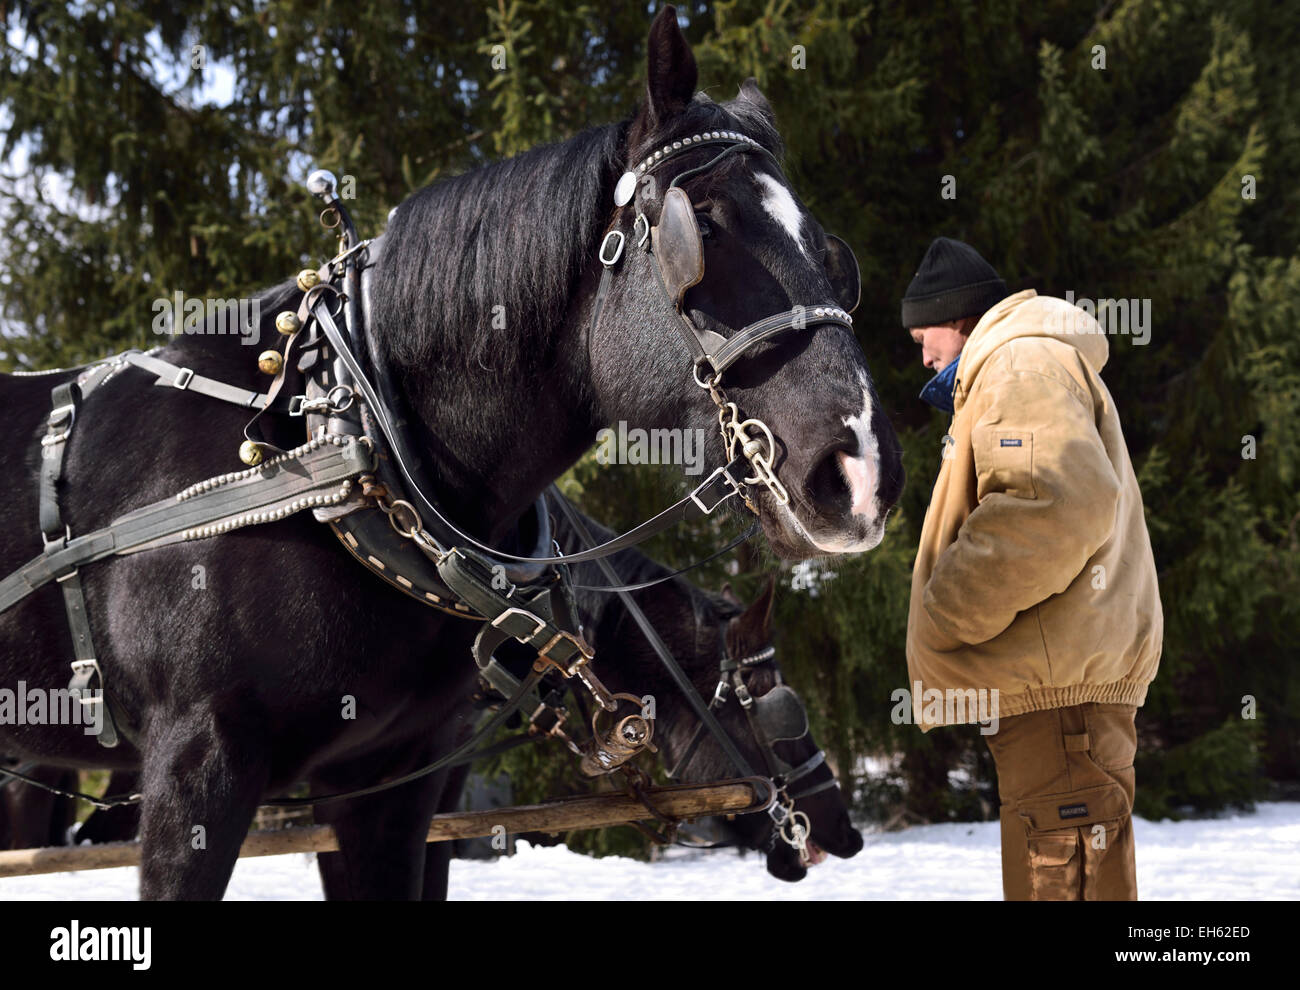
<point x="1034" y="574"/>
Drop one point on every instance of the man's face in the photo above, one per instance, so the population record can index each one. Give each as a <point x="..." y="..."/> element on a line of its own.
<point x="941" y="344"/>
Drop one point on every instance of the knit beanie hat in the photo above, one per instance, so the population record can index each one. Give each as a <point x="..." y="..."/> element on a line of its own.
<point x="952" y="282"/>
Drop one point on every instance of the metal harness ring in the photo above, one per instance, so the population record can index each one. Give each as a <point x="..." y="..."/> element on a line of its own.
<point x="393" y="509"/>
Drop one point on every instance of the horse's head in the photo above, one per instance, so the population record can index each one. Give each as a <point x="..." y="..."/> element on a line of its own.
<point x="768" y="722"/>
<point x="706" y="241"/>
<point x="725" y="649"/>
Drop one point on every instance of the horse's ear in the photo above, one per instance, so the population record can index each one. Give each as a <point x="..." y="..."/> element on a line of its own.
<point x="672" y="73"/>
<point x="756" y="620"/>
<point x="729" y="595"/>
<point x="751" y="94"/>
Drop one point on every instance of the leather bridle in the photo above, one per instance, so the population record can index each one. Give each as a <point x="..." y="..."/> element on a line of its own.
<point x="777" y="716"/>
<point x="675" y="248"/>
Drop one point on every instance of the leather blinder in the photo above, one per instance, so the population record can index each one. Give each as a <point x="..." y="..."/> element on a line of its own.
<point x="677" y="245"/>
<point x="781" y="715"/>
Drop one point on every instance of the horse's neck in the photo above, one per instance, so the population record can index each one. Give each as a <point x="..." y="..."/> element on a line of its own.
<point x="495" y="444"/>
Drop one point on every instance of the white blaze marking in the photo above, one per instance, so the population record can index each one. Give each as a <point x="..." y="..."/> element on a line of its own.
<point x="782" y="208"/>
<point x="860" y="424"/>
<point x="867" y="442"/>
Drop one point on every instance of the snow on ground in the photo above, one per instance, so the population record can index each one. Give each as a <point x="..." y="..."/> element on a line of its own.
<point x="1236" y="857"/>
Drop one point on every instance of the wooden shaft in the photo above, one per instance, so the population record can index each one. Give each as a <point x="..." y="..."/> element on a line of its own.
<point x="566" y="815"/>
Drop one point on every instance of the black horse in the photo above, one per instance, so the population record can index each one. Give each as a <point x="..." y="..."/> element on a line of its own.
<point x="238" y="657"/>
<point x="700" y="629"/>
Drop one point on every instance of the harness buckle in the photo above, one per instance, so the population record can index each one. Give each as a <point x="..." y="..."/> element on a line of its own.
<point x="541" y="624"/>
<point x="86" y="670"/>
<point x="58" y="412"/>
<point x="720" y="692"/>
<point x="182" y="379"/>
<point x="585" y="652"/>
<point x="742" y="693"/>
<point x="618" y="250"/>
<point x="58" y="415"/>
<point x="734" y="489"/>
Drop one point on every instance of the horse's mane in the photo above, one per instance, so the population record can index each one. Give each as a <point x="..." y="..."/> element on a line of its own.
<point x="515" y="234"/>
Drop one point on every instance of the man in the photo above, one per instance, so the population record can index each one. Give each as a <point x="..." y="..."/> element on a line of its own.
<point x="1034" y="585"/>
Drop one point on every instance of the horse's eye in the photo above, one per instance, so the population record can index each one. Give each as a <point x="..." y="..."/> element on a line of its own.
<point x="702" y="221"/>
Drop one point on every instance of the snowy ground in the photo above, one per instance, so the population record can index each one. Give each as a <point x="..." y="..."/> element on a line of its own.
<point x="1238" y="857"/>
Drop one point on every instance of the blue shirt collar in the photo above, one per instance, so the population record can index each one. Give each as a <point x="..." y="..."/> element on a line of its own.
<point x="939" y="389"/>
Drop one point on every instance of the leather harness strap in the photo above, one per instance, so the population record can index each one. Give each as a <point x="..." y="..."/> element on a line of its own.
<point x="56" y="535"/>
<point x="322" y="474"/>
<point x="186" y="380"/>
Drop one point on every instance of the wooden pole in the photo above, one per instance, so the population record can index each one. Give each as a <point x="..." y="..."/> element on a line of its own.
<point x="683" y="801"/>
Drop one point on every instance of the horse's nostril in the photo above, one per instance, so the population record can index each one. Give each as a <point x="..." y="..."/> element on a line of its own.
<point x="828" y="489"/>
<point x="842" y="483"/>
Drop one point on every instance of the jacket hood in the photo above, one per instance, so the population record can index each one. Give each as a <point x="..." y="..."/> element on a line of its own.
<point x="1027" y="314"/>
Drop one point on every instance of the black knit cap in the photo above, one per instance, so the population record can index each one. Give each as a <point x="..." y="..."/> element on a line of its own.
<point x="952" y="282"/>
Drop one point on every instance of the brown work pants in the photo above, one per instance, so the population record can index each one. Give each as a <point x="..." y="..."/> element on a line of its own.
<point x="1065" y="780"/>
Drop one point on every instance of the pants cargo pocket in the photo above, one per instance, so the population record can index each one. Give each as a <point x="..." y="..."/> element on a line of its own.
<point x="1069" y="839"/>
<point x="1054" y="865"/>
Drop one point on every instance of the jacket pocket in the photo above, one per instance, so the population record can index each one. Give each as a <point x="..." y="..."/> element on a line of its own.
<point x="1011" y="463"/>
<point x="1112" y="736"/>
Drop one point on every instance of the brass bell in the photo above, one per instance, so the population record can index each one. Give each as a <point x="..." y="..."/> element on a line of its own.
<point x="250" y="453"/>
<point x="270" y="362"/>
<point x="308" y="279"/>
<point x="288" y="323"/>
